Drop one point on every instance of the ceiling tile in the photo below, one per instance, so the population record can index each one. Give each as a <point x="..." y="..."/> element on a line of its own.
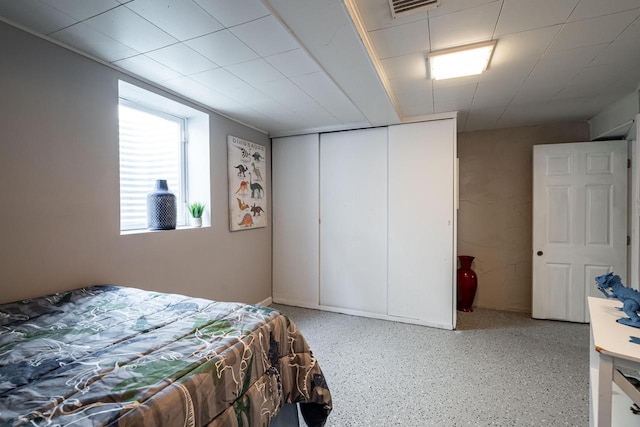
<point x="222" y="47"/>
<point x="146" y="67"/>
<point x="592" y="8"/>
<point x="598" y="75"/>
<point x="82" y="9"/>
<point x="536" y="113"/>
<point x="230" y="86"/>
<point x="276" y="110"/>
<point x="85" y="38"/>
<point x="622" y="51"/>
<point x="293" y="63"/>
<point x="255" y="72"/>
<point x="286" y="120"/>
<point x="543" y="87"/>
<point x="482" y="118"/>
<point x="285" y="92"/>
<point x="231" y="13"/>
<point x="217" y="78"/>
<point x="452" y="98"/>
<point x="130" y="29"/>
<point x="510" y="73"/>
<point x="582" y="91"/>
<point x="523" y="15"/>
<point x="593" y="31"/>
<point x="423" y="98"/>
<point x="401" y="39"/>
<point x="252" y="118"/>
<point x="222" y="104"/>
<point x="494" y="94"/>
<point x="216" y="101"/>
<point x="241" y="114"/>
<point x="315" y="114"/>
<point x="35" y="15"/>
<point x="186" y="86"/>
<point x="625" y="84"/>
<point x="182" y="58"/>
<point x="464" y="27"/>
<point x="407" y="66"/>
<point x="402" y="85"/>
<point x="632" y="31"/>
<point x="244" y="94"/>
<point x="584" y="111"/>
<point x="325" y="92"/>
<point x="560" y="60"/>
<point x="182" y="19"/>
<point x="328" y="22"/>
<point x="452" y="6"/>
<point x="265" y="36"/>
<point x="516" y="47"/>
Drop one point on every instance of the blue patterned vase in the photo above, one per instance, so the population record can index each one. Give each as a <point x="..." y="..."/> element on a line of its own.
<point x="162" y="210"/>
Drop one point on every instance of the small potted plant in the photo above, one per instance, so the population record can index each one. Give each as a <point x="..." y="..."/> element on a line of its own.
<point x="196" y="209"/>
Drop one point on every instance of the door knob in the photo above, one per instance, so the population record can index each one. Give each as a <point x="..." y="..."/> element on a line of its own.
<point x="539" y="253"/>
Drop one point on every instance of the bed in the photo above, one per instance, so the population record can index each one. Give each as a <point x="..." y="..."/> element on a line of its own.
<point x="118" y="356"/>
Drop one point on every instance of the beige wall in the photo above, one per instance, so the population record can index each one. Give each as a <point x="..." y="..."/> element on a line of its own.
<point x="494" y="220"/>
<point x="59" y="190"/>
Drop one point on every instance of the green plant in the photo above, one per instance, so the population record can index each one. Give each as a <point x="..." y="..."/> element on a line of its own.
<point x="196" y="209"/>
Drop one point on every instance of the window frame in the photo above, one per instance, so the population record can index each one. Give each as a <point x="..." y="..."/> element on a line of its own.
<point x="197" y="147"/>
<point x="183" y="219"/>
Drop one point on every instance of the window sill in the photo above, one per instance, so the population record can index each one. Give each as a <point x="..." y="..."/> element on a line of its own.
<point x="146" y="230"/>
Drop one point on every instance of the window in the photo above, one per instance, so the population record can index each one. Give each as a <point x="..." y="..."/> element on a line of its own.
<point x="151" y="148"/>
<point x="154" y="144"/>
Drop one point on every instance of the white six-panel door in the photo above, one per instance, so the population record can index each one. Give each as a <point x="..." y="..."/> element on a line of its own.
<point x="579" y="224"/>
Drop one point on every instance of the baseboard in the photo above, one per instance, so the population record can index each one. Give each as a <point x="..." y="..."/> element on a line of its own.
<point x="266" y="302"/>
<point x="359" y="313"/>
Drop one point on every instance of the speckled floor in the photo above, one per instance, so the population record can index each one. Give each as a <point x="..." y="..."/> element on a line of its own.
<point x="497" y="369"/>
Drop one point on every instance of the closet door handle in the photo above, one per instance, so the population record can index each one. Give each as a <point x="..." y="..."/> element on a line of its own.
<point x="539" y="253"/>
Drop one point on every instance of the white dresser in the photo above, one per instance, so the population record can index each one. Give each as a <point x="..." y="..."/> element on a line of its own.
<point x="611" y="394"/>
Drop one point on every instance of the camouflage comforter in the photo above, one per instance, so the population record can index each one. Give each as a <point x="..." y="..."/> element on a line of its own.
<point x="109" y="355"/>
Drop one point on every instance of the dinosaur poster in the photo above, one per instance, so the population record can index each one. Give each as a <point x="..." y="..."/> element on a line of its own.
<point x="247" y="187"/>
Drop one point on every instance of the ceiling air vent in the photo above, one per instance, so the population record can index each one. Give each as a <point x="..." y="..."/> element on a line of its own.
<point x="408" y="7"/>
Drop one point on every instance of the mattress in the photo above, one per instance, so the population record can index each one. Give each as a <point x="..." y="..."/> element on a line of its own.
<point x="111" y="355"/>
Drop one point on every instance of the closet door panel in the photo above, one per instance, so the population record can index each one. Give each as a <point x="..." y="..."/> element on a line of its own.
<point x="353" y="214"/>
<point x="422" y="221"/>
<point x="295" y="177"/>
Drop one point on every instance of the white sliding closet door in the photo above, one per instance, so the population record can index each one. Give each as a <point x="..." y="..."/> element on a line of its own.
<point x="295" y="204"/>
<point x="353" y="214"/>
<point x="422" y="221"/>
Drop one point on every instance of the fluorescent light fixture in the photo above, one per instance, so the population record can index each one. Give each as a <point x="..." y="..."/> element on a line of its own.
<point x="460" y="61"/>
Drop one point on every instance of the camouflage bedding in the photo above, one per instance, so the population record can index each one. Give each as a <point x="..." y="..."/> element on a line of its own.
<point x="109" y="355"/>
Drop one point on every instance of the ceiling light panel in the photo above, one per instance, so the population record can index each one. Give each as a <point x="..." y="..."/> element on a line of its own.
<point x="460" y="61"/>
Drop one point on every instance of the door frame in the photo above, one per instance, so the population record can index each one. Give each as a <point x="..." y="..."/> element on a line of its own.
<point x="539" y="244"/>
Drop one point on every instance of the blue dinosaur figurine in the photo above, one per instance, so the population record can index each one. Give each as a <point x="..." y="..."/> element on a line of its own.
<point x="611" y="287"/>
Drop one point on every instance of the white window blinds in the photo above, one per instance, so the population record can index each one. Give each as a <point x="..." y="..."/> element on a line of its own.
<point x="150" y="149"/>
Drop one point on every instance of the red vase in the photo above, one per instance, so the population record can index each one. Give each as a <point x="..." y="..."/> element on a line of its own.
<point x="467" y="283"/>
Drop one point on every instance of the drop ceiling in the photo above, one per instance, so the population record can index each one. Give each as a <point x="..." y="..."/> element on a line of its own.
<point x="288" y="67"/>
